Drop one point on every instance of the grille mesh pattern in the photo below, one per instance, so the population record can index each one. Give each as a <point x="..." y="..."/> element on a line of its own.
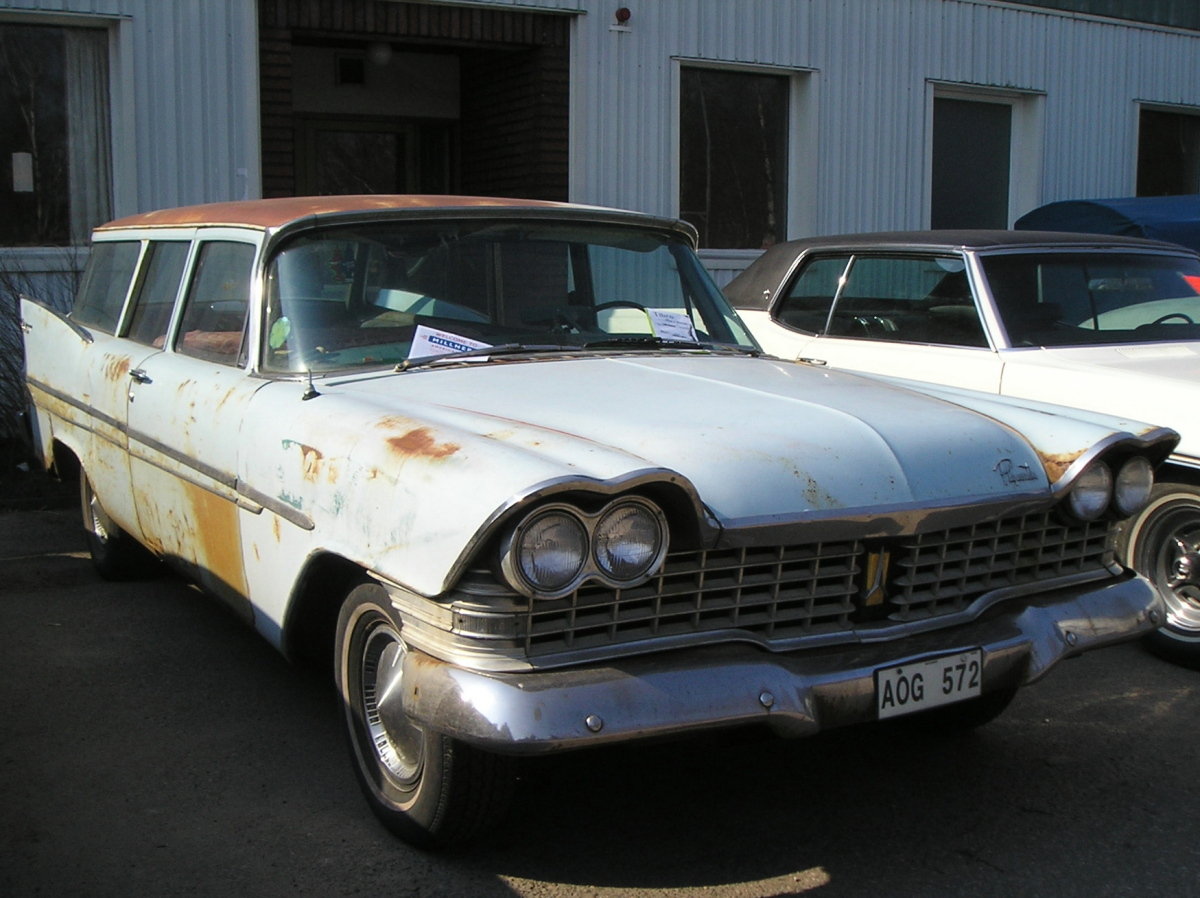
<point x="779" y="593"/>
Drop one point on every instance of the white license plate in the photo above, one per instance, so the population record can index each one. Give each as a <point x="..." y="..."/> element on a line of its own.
<point x="927" y="684"/>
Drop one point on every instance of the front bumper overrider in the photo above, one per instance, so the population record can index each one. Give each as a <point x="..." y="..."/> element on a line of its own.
<point x="796" y="693"/>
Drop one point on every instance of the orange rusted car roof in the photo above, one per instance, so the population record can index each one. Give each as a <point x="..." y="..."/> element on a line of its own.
<point x="273" y="213"/>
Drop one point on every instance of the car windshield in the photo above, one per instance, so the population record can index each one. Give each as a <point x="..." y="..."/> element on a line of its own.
<point x="1087" y="298"/>
<point x="384" y="294"/>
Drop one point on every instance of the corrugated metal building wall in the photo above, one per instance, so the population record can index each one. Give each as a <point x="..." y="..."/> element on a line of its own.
<point x="870" y="68"/>
<point x="185" y="94"/>
<point x="865" y="72"/>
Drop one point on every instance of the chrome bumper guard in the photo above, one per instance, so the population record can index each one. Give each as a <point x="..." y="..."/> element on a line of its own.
<point x="795" y="693"/>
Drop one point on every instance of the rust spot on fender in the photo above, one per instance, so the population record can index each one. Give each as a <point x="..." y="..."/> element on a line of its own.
<point x="420" y="443"/>
<point x="1056" y="463"/>
<point x="310" y="462"/>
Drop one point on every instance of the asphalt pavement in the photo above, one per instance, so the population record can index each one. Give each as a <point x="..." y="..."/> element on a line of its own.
<point x="153" y="745"/>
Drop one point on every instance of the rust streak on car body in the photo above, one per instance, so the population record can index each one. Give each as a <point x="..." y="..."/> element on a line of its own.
<point x="420" y="442"/>
<point x="310" y="462"/>
<point x="116" y="366"/>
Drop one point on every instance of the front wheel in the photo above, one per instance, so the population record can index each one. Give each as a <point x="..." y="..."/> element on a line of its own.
<point x="1163" y="544"/>
<point x="427" y="788"/>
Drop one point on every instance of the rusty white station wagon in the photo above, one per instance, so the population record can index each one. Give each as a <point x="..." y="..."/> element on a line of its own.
<point x="517" y="473"/>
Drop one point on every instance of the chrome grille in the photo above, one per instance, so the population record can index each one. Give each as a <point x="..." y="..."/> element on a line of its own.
<point x="941" y="573"/>
<point x="778" y="594"/>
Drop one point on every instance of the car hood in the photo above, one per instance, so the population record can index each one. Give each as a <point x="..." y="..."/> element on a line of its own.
<point x="756" y="438"/>
<point x="1157" y="382"/>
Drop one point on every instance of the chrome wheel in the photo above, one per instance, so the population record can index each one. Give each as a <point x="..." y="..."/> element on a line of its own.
<point x="398" y="743"/>
<point x="426" y="787"/>
<point x="1163" y="544"/>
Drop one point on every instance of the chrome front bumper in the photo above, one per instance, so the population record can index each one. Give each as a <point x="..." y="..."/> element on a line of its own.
<point x="796" y="693"/>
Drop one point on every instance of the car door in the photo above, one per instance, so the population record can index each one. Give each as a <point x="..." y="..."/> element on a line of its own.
<point x="897" y="314"/>
<point x="186" y="409"/>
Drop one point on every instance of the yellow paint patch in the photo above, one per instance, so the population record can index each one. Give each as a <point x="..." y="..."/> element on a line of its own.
<point x="216" y="537"/>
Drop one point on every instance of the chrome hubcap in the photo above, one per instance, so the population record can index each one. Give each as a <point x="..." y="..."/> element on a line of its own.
<point x="1179" y="571"/>
<point x="397" y="742"/>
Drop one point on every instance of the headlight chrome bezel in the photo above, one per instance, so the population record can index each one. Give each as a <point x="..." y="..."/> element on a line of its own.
<point x="514" y="549"/>
<point x="1116" y="488"/>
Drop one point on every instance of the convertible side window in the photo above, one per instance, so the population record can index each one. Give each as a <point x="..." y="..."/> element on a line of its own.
<point x="900" y="299"/>
<point x="106" y="284"/>
<point x="218" y="297"/>
<point x="807" y="302"/>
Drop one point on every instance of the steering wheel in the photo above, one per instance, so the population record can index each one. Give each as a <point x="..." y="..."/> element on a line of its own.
<point x="1165" y="318"/>
<point x="618" y="304"/>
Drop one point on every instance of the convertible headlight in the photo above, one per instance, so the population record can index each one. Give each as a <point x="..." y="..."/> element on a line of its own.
<point x="558" y="547"/>
<point x="1131" y="490"/>
<point x="629" y="541"/>
<point x="550" y="550"/>
<point x="1091" y="492"/>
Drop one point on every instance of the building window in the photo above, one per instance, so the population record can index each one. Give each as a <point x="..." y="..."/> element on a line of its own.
<point x="972" y="152"/>
<point x="1168" y="153"/>
<point x="55" y="145"/>
<point x="733" y="139"/>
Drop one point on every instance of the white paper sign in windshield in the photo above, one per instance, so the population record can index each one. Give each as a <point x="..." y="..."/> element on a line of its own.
<point x="672" y="326"/>
<point x="429" y="341"/>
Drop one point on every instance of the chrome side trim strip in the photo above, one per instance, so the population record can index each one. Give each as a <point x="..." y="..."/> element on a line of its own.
<point x="248" y="497"/>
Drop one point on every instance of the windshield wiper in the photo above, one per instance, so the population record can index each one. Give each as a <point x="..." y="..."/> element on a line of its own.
<point x="466" y="354"/>
<point x="651" y="340"/>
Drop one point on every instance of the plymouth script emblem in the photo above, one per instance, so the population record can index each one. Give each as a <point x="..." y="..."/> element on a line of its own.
<point x="1013" y="474"/>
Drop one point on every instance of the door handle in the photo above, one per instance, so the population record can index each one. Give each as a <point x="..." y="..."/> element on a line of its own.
<point x="140" y="376"/>
<point x="810" y="361"/>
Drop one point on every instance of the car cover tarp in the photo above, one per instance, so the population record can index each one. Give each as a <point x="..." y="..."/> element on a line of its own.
<point x="1172" y="218"/>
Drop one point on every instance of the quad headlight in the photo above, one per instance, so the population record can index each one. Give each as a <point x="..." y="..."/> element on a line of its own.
<point x="1092" y="492"/>
<point x="1097" y="491"/>
<point x="1131" y="490"/>
<point x="556" y="548"/>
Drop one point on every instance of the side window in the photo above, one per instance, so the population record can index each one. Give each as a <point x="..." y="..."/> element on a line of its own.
<point x="907" y="299"/>
<point x="106" y="284"/>
<point x="154" y="295"/>
<point x="218" y="298"/>
<point x="806" y="304"/>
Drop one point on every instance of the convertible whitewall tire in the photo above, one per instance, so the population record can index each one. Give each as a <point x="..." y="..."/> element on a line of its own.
<point x="1163" y="543"/>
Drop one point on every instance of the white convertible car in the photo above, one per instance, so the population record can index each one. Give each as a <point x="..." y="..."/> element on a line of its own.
<point x="1110" y="324"/>
<point x="518" y="475"/>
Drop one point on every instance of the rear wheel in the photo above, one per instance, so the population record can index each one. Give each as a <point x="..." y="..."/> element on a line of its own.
<point x="115" y="554"/>
<point x="1163" y="543"/>
<point x="427" y="788"/>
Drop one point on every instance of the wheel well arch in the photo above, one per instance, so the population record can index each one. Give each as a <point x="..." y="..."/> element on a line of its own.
<point x="1170" y="472"/>
<point x="63" y="461"/>
<point x="311" y="619"/>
